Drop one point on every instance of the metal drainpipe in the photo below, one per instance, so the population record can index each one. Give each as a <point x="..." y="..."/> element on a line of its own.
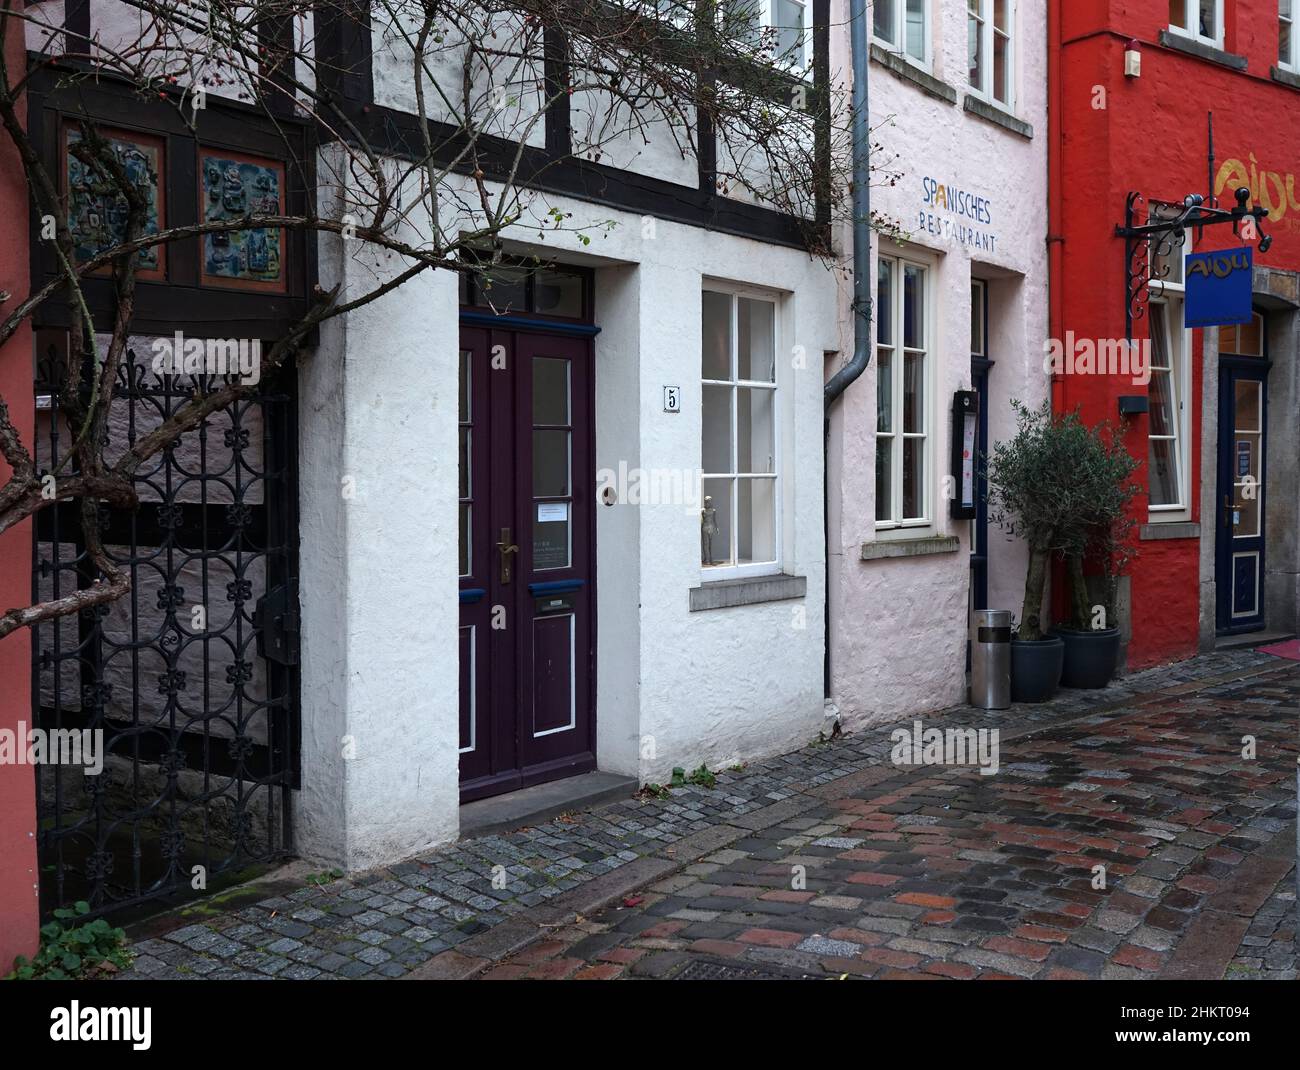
<point x="860" y="121"/>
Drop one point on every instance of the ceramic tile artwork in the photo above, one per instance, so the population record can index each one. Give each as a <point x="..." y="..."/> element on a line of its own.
<point x="97" y="212"/>
<point x="233" y="188"/>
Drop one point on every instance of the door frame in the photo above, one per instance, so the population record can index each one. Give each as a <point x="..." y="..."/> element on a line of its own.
<point x="1230" y="370"/>
<point x="518" y="777"/>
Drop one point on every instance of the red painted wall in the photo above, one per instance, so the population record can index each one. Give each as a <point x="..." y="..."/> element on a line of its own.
<point x="18" y="872"/>
<point x="1111" y="134"/>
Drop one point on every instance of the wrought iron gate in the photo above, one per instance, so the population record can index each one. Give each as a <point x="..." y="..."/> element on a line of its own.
<point x="191" y="677"/>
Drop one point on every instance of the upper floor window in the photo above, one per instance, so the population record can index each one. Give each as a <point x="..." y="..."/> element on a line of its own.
<point x="1286" y="44"/>
<point x="989" y="49"/>
<point x="902" y="25"/>
<point x="779" y="28"/>
<point x="1201" y="20"/>
<point x="739" y="528"/>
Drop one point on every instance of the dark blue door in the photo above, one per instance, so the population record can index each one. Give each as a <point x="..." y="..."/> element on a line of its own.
<point x="1239" y="504"/>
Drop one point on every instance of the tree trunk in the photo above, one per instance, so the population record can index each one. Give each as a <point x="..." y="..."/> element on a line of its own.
<point x="1079" y="607"/>
<point x="1031" y="629"/>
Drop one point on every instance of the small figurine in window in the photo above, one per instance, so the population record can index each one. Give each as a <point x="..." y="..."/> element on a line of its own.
<point x="708" y="529"/>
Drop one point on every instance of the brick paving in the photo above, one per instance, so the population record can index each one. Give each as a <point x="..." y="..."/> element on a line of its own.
<point x="868" y="869"/>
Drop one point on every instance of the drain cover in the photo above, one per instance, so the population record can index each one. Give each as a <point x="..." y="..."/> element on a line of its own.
<point x="704" y="970"/>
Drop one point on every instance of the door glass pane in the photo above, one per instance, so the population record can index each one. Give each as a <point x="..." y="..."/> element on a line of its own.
<point x="551" y="544"/>
<point x="1164" y="472"/>
<point x="550" y="464"/>
<point x="464" y="537"/>
<point x="465" y="433"/>
<point x="913" y="393"/>
<point x="715" y="429"/>
<point x="1246" y="456"/>
<point x="1247" y="405"/>
<point x="756" y="349"/>
<point x="977" y="318"/>
<point x="550" y="390"/>
<point x="755" y="430"/>
<point x="717" y="335"/>
<point x="1245" y="510"/>
<point x="913" y="478"/>
<point x="884" y="479"/>
<point x="715" y="523"/>
<point x="464" y="384"/>
<point x="756" y="533"/>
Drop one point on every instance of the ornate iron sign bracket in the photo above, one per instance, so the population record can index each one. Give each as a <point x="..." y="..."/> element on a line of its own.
<point x="1155" y="241"/>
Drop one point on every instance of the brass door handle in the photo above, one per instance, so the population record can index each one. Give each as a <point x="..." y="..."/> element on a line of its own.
<point x="507" y="548"/>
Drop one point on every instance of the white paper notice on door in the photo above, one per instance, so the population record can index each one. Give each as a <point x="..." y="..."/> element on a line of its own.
<point x="552" y="512"/>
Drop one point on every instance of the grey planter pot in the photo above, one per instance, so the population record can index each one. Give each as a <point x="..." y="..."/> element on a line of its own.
<point x="1090" y="657"/>
<point x="1036" y="669"/>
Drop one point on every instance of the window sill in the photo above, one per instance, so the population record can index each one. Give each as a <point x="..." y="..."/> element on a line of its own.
<point x="1286" y="77"/>
<point x="997" y="116"/>
<point x="723" y="594"/>
<point x="1157" y="531"/>
<point x="1201" y="50"/>
<point x="883" y="549"/>
<point x="909" y="72"/>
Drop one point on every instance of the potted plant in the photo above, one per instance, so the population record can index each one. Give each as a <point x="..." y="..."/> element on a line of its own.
<point x="1092" y="638"/>
<point x="1034" y="495"/>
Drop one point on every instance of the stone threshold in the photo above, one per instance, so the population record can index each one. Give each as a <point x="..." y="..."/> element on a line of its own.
<point x="541" y="802"/>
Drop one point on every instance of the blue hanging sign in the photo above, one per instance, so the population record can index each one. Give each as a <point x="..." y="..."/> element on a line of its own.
<point x="1219" y="287"/>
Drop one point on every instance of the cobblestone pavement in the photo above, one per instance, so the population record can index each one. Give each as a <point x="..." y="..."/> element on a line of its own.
<point x="929" y="871"/>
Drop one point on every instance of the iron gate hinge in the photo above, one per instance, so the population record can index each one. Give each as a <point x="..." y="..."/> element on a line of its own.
<point x="276" y="621"/>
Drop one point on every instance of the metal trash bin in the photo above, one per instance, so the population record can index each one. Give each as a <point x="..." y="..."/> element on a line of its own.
<point x="990" y="659"/>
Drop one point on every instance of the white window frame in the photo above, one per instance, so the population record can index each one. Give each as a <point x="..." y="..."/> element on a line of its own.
<point x="1167" y="302"/>
<point x="1291" y="60"/>
<point x="899" y="47"/>
<point x="765" y="9"/>
<point x="733" y="571"/>
<point x="1191" y="29"/>
<point x="984" y="89"/>
<point x="897" y="525"/>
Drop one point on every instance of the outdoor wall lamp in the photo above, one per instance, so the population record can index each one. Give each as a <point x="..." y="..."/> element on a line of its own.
<point x="1133" y="59"/>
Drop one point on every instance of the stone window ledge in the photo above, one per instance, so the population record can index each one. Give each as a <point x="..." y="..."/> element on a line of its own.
<point x="746" y="591"/>
<point x="1182" y="529"/>
<point x="910" y="72"/>
<point x="997" y="116"/>
<point x="1201" y="50"/>
<point x="1285" y="77"/>
<point x="882" y="549"/>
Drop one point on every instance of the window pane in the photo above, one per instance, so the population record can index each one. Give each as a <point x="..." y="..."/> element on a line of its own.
<point x="884" y="479"/>
<point x="1178" y="13"/>
<point x="756" y="349"/>
<point x="788" y="22"/>
<point x="1284" y="35"/>
<point x="916" y="29"/>
<point x="550" y="464"/>
<point x="1164" y="473"/>
<point x="717" y="335"/>
<point x="883" y="21"/>
<point x="558" y="293"/>
<point x="1002" y="15"/>
<point x="743" y="20"/>
<point x="1245" y="340"/>
<point x="755" y="430"/>
<point x="913" y="393"/>
<point x="913" y="307"/>
<point x="975" y="51"/>
<point x="913" y="477"/>
<point x="1161" y="402"/>
<point x="715" y="428"/>
<point x="1208" y="18"/>
<point x="885" y="302"/>
<point x="715" y="523"/>
<point x="756" y="530"/>
<point x="1001" y="68"/>
<point x="503" y="289"/>
<point x="884" y="390"/>
<point x="550" y="390"/>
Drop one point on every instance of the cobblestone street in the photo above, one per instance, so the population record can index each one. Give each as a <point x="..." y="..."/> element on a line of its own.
<point x="833" y="861"/>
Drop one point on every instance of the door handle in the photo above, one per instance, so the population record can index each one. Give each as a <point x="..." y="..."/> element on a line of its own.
<point x="1228" y="518"/>
<point x="507" y="548"/>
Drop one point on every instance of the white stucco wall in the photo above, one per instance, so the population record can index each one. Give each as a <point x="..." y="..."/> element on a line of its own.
<point x="899" y="625"/>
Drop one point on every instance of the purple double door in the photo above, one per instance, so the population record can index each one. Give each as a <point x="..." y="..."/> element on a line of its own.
<point x="527" y="655"/>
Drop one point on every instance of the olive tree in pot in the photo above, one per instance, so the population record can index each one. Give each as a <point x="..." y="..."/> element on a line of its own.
<point x="1092" y="638"/>
<point x="1034" y="495"/>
